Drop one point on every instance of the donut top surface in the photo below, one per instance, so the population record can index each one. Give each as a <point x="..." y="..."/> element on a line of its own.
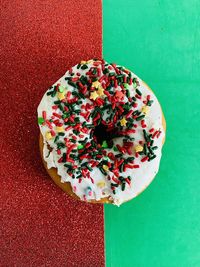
<point x="102" y="129"/>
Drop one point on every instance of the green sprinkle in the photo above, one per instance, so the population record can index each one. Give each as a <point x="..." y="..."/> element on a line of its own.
<point x="150" y="150"/>
<point x="40" y="120"/>
<point x="123" y="186"/>
<point x="126" y="85"/>
<point x="80" y="146"/>
<point x="103" y="171"/>
<point x="71" y="83"/>
<point x="105" y="71"/>
<point x="154" y="148"/>
<point x="138" y="92"/>
<point x="115" y="149"/>
<point x="128" y="93"/>
<point x="53" y="93"/>
<point x="150" y="102"/>
<point x="151" y="158"/>
<point x="145" y="149"/>
<point x="134" y="82"/>
<point x="61" y="89"/>
<point x="57" y="102"/>
<point x="104" y="144"/>
<point x="60" y="145"/>
<point x="115" y="185"/>
<point x="84" y="67"/>
<point x="56" y="138"/>
<point x="49" y="93"/>
<point x="140" y="118"/>
<point x="61" y="134"/>
<point x="121" y="168"/>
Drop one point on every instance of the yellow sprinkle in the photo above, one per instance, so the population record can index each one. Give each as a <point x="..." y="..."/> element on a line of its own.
<point x="61" y="96"/>
<point x="145" y="109"/>
<point x="106" y="168"/>
<point x="101" y="184"/>
<point x="83" y="62"/>
<point x="123" y="122"/>
<point x="138" y="148"/>
<point x="48" y="135"/>
<point x="96" y="84"/>
<point x="100" y="91"/>
<point x="94" y="95"/>
<point x="59" y="129"/>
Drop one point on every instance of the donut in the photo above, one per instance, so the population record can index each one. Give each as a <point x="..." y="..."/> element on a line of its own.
<point x="101" y="132"/>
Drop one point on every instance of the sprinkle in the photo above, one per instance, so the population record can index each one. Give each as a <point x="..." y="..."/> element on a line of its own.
<point x="145" y="109"/>
<point x="57" y="115"/>
<point x="144" y="159"/>
<point x="101" y="184"/>
<point x="40" y="120"/>
<point x="61" y="89"/>
<point x="123" y="122"/>
<point x="158" y="135"/>
<point x="48" y="135"/>
<point x="138" y="148"/>
<point x="126" y="85"/>
<point x="128" y="181"/>
<point x="100" y="91"/>
<point x="80" y="146"/>
<point x="140" y="117"/>
<point x="53" y="133"/>
<point x="61" y="96"/>
<point x="119" y="95"/>
<point x="151" y="130"/>
<point x="138" y="92"/>
<point x="96" y="84"/>
<point x="105" y="167"/>
<point x="44" y="114"/>
<point x="60" y="129"/>
<point x="104" y="144"/>
<point x="138" y="96"/>
<point x="94" y="95"/>
<point x="154" y="135"/>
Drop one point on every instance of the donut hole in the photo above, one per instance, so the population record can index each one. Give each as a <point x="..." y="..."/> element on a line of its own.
<point x="101" y="134"/>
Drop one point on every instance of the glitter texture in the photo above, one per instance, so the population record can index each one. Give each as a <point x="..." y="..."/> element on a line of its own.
<point x="41" y="225"/>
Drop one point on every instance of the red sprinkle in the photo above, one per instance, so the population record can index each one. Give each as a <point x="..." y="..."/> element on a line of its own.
<point x="144" y="159"/>
<point x="55" y="107"/>
<point x="44" y="114"/>
<point x="49" y="124"/>
<point x="57" y="115"/>
<point x="138" y="96"/>
<point x="128" y="181"/>
<point x="154" y="135"/>
<point x="53" y="133"/>
<point x="135" y="105"/>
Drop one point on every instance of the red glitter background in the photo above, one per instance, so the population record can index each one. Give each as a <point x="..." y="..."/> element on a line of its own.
<point x="40" y="225"/>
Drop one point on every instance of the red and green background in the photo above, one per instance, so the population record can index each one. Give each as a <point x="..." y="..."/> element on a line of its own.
<point x="39" y="224"/>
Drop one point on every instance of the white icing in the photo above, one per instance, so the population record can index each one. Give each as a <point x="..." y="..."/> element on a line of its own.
<point x="141" y="177"/>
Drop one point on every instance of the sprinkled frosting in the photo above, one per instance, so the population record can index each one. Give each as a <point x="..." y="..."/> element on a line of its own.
<point x="102" y="129"/>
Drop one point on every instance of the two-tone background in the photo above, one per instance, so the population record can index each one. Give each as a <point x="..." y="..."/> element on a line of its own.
<point x="41" y="226"/>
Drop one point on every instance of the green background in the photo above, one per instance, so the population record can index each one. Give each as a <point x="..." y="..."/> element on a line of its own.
<point x="160" y="42"/>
